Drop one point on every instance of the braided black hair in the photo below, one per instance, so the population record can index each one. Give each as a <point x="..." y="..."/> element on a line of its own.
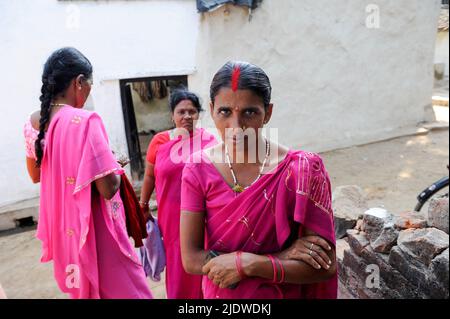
<point x="60" y="69"/>
<point x="249" y="77"/>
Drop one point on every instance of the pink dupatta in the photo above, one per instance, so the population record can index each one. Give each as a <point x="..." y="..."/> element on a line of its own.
<point x="263" y="220"/>
<point x="76" y="154"/>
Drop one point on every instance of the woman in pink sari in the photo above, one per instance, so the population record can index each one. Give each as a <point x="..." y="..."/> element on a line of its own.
<point x="81" y="218"/>
<point x="166" y="155"/>
<point x="256" y="229"/>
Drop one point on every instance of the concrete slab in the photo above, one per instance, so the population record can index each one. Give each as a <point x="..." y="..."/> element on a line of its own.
<point x="10" y="214"/>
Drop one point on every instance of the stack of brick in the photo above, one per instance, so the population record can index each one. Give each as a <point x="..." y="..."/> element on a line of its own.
<point x="402" y="256"/>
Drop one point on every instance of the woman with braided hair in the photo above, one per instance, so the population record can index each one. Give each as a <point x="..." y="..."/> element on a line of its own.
<point x="81" y="218"/>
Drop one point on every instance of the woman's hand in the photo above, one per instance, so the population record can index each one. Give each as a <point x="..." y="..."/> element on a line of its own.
<point x="123" y="162"/>
<point x="311" y="250"/>
<point x="146" y="211"/>
<point x="222" y="270"/>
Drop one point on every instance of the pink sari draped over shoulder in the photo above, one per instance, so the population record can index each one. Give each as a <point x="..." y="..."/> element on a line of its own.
<point x="83" y="233"/>
<point x="264" y="219"/>
<point x="170" y="160"/>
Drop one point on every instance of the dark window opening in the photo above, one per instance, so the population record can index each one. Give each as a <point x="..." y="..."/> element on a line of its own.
<point x="145" y="106"/>
<point x="25" y="222"/>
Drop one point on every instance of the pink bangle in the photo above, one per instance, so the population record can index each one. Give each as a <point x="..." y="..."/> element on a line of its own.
<point x="282" y="271"/>
<point x="274" y="265"/>
<point x="239" y="265"/>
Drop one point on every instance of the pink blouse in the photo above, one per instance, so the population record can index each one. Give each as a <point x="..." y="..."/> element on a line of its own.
<point x="31" y="135"/>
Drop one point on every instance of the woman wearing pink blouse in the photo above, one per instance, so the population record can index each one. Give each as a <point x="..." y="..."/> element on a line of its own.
<point x="81" y="216"/>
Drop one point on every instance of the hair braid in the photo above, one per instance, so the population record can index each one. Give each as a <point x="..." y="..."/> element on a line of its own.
<point x="60" y="69"/>
<point x="46" y="99"/>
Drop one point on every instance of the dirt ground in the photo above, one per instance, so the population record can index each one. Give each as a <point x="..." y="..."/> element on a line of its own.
<point x="391" y="172"/>
<point x="23" y="276"/>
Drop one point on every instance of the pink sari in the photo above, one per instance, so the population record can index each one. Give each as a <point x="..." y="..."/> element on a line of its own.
<point x="84" y="234"/>
<point x="264" y="219"/>
<point x="179" y="284"/>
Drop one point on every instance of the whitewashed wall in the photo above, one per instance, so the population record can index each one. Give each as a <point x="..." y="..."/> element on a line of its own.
<point x="336" y="82"/>
<point x="442" y="49"/>
<point x="122" y="39"/>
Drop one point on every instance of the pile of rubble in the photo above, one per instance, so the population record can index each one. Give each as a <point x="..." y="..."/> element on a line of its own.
<point x="391" y="255"/>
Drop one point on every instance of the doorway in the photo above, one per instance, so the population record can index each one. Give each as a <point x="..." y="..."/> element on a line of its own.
<point x="145" y="106"/>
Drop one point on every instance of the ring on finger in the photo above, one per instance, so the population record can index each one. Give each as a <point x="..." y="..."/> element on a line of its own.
<point x="312" y="245"/>
<point x="310" y="252"/>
